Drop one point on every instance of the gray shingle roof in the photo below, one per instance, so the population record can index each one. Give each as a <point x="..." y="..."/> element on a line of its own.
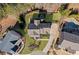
<point x="32" y="26"/>
<point x="69" y="40"/>
<point x="6" y="45"/>
<point x="41" y="25"/>
<point x="45" y="25"/>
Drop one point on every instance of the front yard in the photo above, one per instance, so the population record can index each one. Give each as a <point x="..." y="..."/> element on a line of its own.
<point x="42" y="45"/>
<point x="30" y="41"/>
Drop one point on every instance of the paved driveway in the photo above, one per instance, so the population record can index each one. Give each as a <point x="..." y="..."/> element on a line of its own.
<point x="53" y="35"/>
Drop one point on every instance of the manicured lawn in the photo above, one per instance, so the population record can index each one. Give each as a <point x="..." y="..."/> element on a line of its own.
<point x="41" y="46"/>
<point x="30" y="41"/>
<point x="26" y="49"/>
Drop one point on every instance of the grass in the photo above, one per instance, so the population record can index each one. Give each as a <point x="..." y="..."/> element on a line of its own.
<point x="56" y="16"/>
<point x="53" y="17"/>
<point x="35" y="16"/>
<point x="26" y="49"/>
<point x="49" y="18"/>
<point x="30" y="41"/>
<point x="28" y="17"/>
<point x="65" y="13"/>
<point x="41" y="46"/>
<point x="46" y="36"/>
<point x="22" y="32"/>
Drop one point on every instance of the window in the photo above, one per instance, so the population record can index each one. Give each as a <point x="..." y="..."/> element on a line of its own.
<point x="13" y="42"/>
<point x="15" y="48"/>
<point x="20" y="44"/>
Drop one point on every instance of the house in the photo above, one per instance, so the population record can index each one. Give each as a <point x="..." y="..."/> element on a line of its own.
<point x="7" y="22"/>
<point x="69" y="38"/>
<point x="11" y="43"/>
<point x="49" y="7"/>
<point x="35" y="29"/>
<point x="38" y="26"/>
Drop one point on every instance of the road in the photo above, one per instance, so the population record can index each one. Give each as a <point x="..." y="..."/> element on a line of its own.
<point x="54" y="33"/>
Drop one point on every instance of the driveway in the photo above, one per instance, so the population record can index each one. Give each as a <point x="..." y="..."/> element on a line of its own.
<point x="54" y="33"/>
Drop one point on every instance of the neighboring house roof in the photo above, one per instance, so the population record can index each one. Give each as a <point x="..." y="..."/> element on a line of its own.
<point x="10" y="42"/>
<point x="69" y="37"/>
<point x="71" y="27"/>
<point x="5" y="23"/>
<point x="69" y="40"/>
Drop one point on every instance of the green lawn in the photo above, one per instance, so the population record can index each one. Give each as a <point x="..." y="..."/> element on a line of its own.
<point x="49" y="18"/>
<point x="28" y="17"/>
<point x="56" y="16"/>
<point x="30" y="41"/>
<point x="26" y="49"/>
<point x="45" y="36"/>
<point x="35" y="15"/>
<point x="41" y="46"/>
<point x="53" y="17"/>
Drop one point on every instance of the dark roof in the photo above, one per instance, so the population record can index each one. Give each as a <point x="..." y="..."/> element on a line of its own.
<point x="69" y="40"/>
<point x="69" y="36"/>
<point x="32" y="26"/>
<point x="45" y="25"/>
<point x="41" y="25"/>
<point x="71" y="27"/>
